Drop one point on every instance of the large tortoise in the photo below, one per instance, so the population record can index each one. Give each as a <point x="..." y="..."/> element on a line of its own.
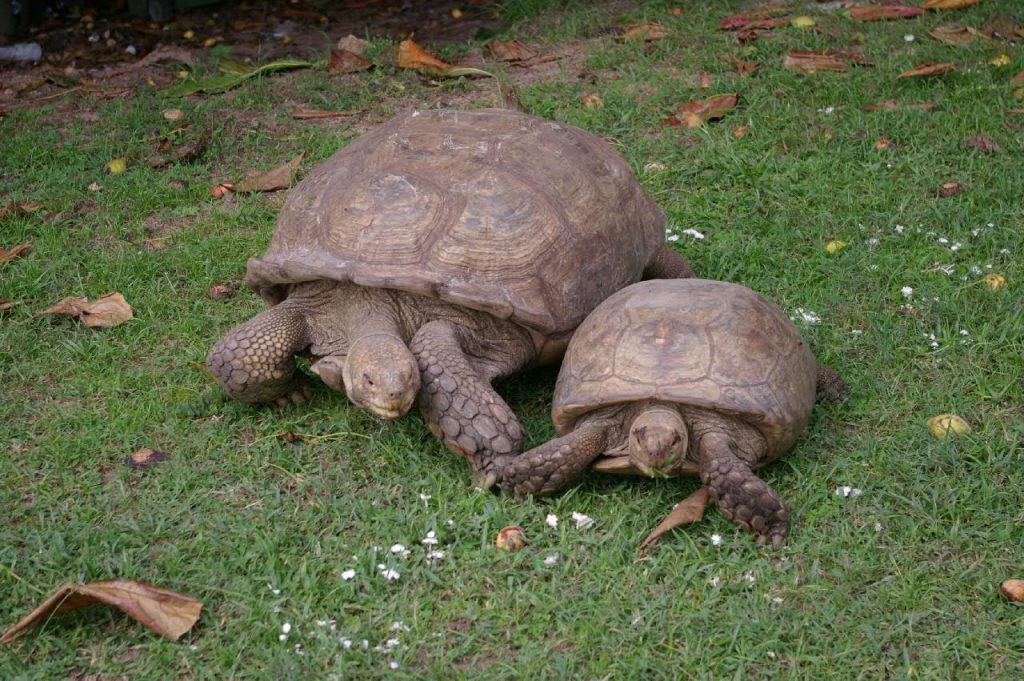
<point x="687" y="377"/>
<point x="435" y="254"/>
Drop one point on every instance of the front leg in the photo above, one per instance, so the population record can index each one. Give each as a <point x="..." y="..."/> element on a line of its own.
<point x="460" y="406"/>
<point x="255" y="361"/>
<point x="548" y="468"/>
<point x="666" y="263"/>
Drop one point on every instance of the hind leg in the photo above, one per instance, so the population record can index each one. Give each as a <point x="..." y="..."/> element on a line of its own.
<point x="666" y="263"/>
<point x="741" y="496"/>
<point x="255" y="361"/>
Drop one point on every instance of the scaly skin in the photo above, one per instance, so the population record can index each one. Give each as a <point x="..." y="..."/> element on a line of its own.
<point x="255" y="361"/>
<point x="740" y="495"/>
<point x="548" y="468"/>
<point x="668" y="264"/>
<point x="830" y="387"/>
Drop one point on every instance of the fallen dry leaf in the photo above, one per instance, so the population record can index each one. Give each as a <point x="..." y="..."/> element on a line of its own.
<point x="1013" y="589"/>
<point x="1002" y="27"/>
<point x="645" y="32"/>
<point x="19" y="208"/>
<point x="957" y="36"/>
<point x="884" y="143"/>
<point x="1018" y="79"/>
<point x="948" y="189"/>
<point x="883" y="12"/>
<point x="592" y="101"/>
<point x="983" y="143"/>
<point x="511" y="50"/>
<point x="995" y="281"/>
<point x="281" y="177"/>
<point x="343" y="61"/>
<point x="812" y="62"/>
<point x="688" y="511"/>
<point x="893" y="105"/>
<point x="412" y="56"/>
<point x="704" y="79"/>
<point x="924" y="70"/>
<point x="743" y="67"/>
<point x="304" y="113"/>
<point x="742" y="22"/>
<point x="9" y="255"/>
<point x="949" y="4"/>
<point x="8" y="304"/>
<point x="223" y="291"/>
<point x="145" y="457"/>
<point x="104" y="312"/>
<point x="168" y="613"/>
<point x="695" y="114"/>
<point x="353" y="44"/>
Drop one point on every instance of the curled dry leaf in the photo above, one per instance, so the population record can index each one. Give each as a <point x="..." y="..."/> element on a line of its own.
<point x="1013" y="589"/>
<point x="957" y="36"/>
<point x="1018" y="79"/>
<point x="19" y="208"/>
<point x="8" y="304"/>
<point x="353" y="44"/>
<point x="695" y="114"/>
<point x="995" y="281"/>
<point x="883" y="12"/>
<point x="281" y="177"/>
<point x="742" y="22"/>
<point x="168" y="613"/>
<point x="145" y="457"/>
<point x="412" y="56"/>
<point x="592" y="101"/>
<point x="704" y="80"/>
<point x="949" y="4"/>
<point x="925" y="70"/>
<point x="948" y="189"/>
<point x="983" y="143"/>
<point x="303" y="113"/>
<point x="223" y="291"/>
<point x="894" y="105"/>
<point x="688" y="511"/>
<point x="9" y="255"/>
<point x="104" y="312"/>
<point x="1002" y="27"/>
<point x="744" y="68"/>
<point x="511" y="50"/>
<point x="645" y="32"/>
<point x="343" y="61"/>
<point x="805" y="61"/>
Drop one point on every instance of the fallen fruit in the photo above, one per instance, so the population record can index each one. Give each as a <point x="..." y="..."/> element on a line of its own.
<point x="944" y="425"/>
<point x="801" y="22"/>
<point x="833" y="247"/>
<point x="995" y="281"/>
<point x="511" y="538"/>
<point x="1013" y="589"/>
<point x="174" y="114"/>
<point x="592" y="101"/>
<point x="115" y="166"/>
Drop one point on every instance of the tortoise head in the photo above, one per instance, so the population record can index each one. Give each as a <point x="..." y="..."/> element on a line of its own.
<point x="658" y="441"/>
<point x="379" y="373"/>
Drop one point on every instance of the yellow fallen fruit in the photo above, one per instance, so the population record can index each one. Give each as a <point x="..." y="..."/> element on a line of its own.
<point x="456" y="13"/>
<point x="188" y="35"/>
<point x="174" y="114"/>
<point x="592" y="101"/>
<point x="1013" y="589"/>
<point x="944" y="425"/>
<point x="511" y="538"/>
<point x="801" y="22"/>
<point x="833" y="247"/>
<point x="1001" y="60"/>
<point x="995" y="281"/>
<point x="115" y="166"/>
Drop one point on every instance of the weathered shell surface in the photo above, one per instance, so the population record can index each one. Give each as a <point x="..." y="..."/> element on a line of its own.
<point x="514" y="215"/>
<point x="707" y="344"/>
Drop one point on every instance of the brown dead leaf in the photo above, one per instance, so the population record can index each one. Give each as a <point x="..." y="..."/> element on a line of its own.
<point x="168" y="613"/>
<point x="645" y="32"/>
<point x="1018" y="79"/>
<point x="343" y="61"/>
<point x="695" y="114"/>
<point x="1013" y="589"/>
<point x="1015" y="111"/>
<point x="947" y="189"/>
<point x="412" y="56"/>
<point x="744" y="68"/>
<point x="883" y="12"/>
<point x="353" y="44"/>
<point x="704" y="79"/>
<point x="742" y="22"/>
<point x="894" y="105"/>
<point x="223" y="291"/>
<point x="688" y="511"/>
<point x="281" y="177"/>
<point x="949" y="4"/>
<point x="511" y="50"/>
<point x="983" y="143"/>
<point x="8" y="304"/>
<point x="303" y="113"/>
<point x="957" y="36"/>
<point x="592" y="101"/>
<point x="884" y="143"/>
<point x="9" y="255"/>
<point x="145" y="457"/>
<point x="104" y="312"/>
<point x="805" y="61"/>
<point x="19" y="208"/>
<point x="925" y="70"/>
<point x="1002" y="27"/>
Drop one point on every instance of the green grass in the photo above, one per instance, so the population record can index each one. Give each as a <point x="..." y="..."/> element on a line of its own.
<point x="899" y="582"/>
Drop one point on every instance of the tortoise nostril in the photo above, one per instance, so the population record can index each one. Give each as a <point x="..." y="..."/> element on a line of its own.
<point x="366" y="377"/>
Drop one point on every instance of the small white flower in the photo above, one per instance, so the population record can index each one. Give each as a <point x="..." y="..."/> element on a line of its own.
<point x="808" y="315"/>
<point x="771" y="654"/>
<point x="393" y="664"/>
<point x="846" y="491"/>
<point x="716" y="540"/>
<point x="898" y="229"/>
<point x="399" y="625"/>
<point x="435" y="556"/>
<point x="947" y="269"/>
<point x="425" y="497"/>
<point x="552" y="521"/>
<point x="828" y="110"/>
<point x="943" y="240"/>
<point x="582" y="520"/>
<point x="345" y="642"/>
<point x="975" y="270"/>
<point x="963" y="332"/>
<point x="991" y="224"/>
<point x="715" y="581"/>
<point x="749" y="577"/>
<point x="276" y="592"/>
<point x="298" y="649"/>
<point x="694" y="233"/>
<point x="907" y="291"/>
<point x="430" y="539"/>
<point x="857" y="332"/>
<point x="774" y="600"/>
<point x="451" y="523"/>
<point x="909" y="37"/>
<point x="878" y="527"/>
<point x="286" y="628"/>
<point x="1004" y="251"/>
<point x="976" y="231"/>
<point x="282" y="637"/>
<point x="387" y="573"/>
<point x="348" y="574"/>
<point x="655" y="167"/>
<point x="672" y="237"/>
<point x="552" y="559"/>
<point x="956" y="247"/>
<point x="387" y="646"/>
<point x="873" y="241"/>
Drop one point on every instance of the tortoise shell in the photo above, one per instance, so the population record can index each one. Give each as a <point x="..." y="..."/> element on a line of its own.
<point x="495" y="210"/>
<point x="706" y="344"/>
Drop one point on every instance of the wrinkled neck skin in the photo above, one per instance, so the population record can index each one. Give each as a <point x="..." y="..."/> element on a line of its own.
<point x="748" y="443"/>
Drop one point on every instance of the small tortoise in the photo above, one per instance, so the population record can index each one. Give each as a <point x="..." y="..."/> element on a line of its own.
<point x="686" y="377"/>
<point x="436" y="254"/>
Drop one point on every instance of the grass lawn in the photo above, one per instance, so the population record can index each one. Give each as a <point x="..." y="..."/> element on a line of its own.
<point x="261" y="513"/>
